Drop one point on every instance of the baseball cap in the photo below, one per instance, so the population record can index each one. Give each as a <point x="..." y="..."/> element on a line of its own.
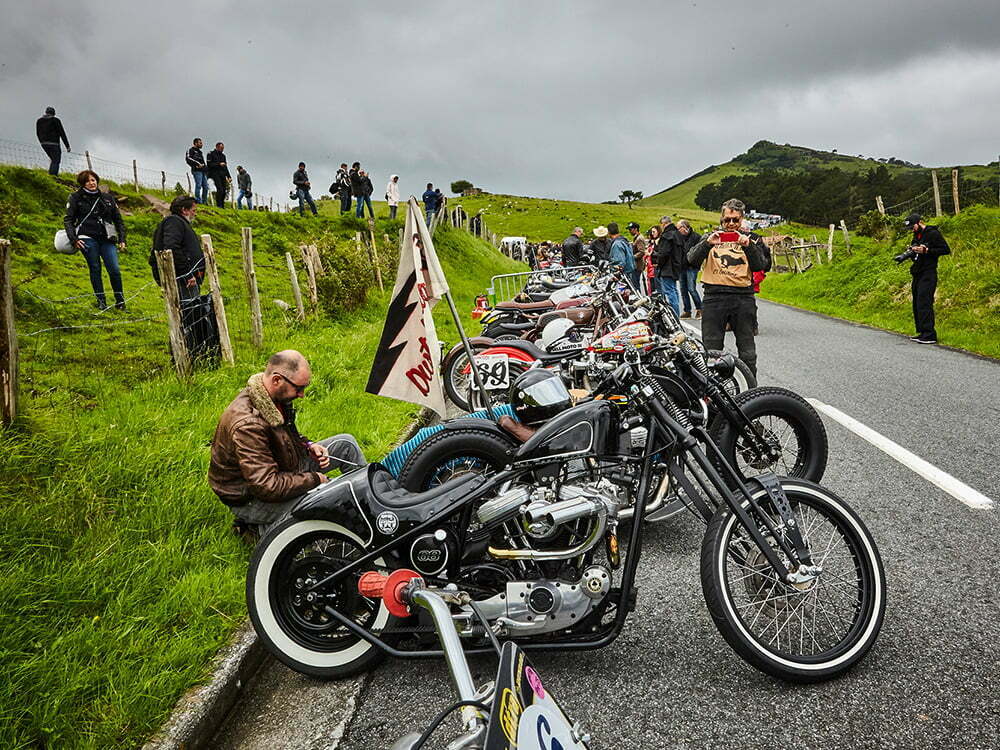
<point x="912" y="220"/>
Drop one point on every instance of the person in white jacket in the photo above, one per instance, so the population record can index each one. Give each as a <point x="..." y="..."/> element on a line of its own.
<point x="392" y="195"/>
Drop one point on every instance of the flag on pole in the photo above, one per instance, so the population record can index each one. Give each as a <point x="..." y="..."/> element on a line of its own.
<point x="406" y="365"/>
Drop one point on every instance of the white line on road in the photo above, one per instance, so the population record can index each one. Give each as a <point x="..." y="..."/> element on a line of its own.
<point x="954" y="487"/>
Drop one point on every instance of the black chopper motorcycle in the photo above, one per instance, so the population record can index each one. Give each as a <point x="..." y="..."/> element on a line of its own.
<point x="791" y="576"/>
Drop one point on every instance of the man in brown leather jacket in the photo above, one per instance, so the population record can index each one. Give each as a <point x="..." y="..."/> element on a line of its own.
<point x="260" y="463"/>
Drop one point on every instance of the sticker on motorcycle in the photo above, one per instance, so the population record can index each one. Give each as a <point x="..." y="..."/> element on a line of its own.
<point x="387" y="522"/>
<point x="494" y="371"/>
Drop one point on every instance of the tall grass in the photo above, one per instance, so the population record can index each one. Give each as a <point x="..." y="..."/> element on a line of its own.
<point x="121" y="579"/>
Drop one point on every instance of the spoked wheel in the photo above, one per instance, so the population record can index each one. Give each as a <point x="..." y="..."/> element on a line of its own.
<point x="496" y="397"/>
<point x="796" y="440"/>
<point x="290" y="614"/>
<point x="450" y="454"/>
<point x="802" y="632"/>
<point x="457" y="375"/>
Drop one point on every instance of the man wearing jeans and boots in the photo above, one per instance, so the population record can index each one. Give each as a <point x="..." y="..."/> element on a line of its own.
<point x="261" y="465"/>
<point x="727" y="266"/>
<point x="50" y="132"/>
<point x="199" y="171"/>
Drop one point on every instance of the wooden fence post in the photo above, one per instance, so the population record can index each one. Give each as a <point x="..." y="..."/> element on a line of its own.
<point x="847" y="237"/>
<point x="172" y="300"/>
<point x="296" y="291"/>
<point x="270" y="204"/>
<point x="89" y="165"/>
<point x="879" y="204"/>
<point x="311" y="273"/>
<point x="8" y="341"/>
<point x="829" y="243"/>
<point x="371" y="258"/>
<point x="937" y="193"/>
<point x="190" y="191"/>
<point x="212" y="272"/>
<point x="378" y="268"/>
<point x="135" y="175"/>
<point x="256" y="324"/>
<point x="954" y="189"/>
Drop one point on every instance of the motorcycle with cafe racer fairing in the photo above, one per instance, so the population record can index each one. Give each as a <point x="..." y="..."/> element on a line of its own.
<point x="792" y="578"/>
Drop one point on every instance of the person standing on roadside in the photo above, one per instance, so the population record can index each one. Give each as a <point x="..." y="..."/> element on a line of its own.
<point x="638" y="255"/>
<point x="621" y="251"/>
<point x="196" y="161"/>
<point x="95" y="227"/>
<point x="218" y="173"/>
<point x="668" y="259"/>
<point x="727" y="267"/>
<point x="649" y="270"/>
<point x="50" y="132"/>
<point x="689" y="274"/>
<point x="365" y="199"/>
<point x="392" y="195"/>
<point x="300" y="178"/>
<point x="430" y="202"/>
<point x="928" y="245"/>
<point x="573" y="248"/>
<point x="245" y="184"/>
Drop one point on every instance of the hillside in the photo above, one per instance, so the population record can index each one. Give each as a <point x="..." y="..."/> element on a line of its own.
<point x="765" y="155"/>
<point x="121" y="578"/>
<point x="868" y="287"/>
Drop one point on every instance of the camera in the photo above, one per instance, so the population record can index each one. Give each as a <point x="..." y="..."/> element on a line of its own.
<point x="908" y="254"/>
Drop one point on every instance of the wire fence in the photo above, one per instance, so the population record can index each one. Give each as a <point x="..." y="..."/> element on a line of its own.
<point x="14" y="153"/>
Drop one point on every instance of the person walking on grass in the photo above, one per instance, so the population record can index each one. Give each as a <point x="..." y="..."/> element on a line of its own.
<point x="365" y="198"/>
<point x="392" y="195"/>
<point x="245" y="184"/>
<point x="50" y="132"/>
<point x="260" y="463"/>
<point x="727" y="277"/>
<point x="300" y="179"/>
<point x="94" y="225"/>
<point x="176" y="234"/>
<point x="430" y="198"/>
<point x="668" y="260"/>
<point x="689" y="274"/>
<point x="218" y="173"/>
<point x="199" y="170"/>
<point x="341" y="188"/>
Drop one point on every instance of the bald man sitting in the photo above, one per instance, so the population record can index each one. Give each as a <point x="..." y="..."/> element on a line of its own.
<point x="260" y="463"/>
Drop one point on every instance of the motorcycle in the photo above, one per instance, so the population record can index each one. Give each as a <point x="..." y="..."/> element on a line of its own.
<point x="791" y="576"/>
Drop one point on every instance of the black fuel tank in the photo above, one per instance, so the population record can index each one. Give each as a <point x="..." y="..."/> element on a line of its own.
<point x="587" y="429"/>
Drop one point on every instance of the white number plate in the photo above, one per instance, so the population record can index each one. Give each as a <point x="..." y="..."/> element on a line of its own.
<point x="494" y="371"/>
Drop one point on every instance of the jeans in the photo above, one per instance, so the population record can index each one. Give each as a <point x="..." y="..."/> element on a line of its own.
<point x="636" y="278"/>
<point x="430" y="215"/>
<point x="200" y="186"/>
<point x="345" y="201"/>
<point x="304" y="198"/>
<point x="740" y="312"/>
<point x="392" y="211"/>
<point x="249" y="196"/>
<point x="364" y="200"/>
<point x="54" y="153"/>
<point x="922" y="288"/>
<point x="689" y="289"/>
<point x="668" y="288"/>
<point x="345" y="454"/>
<point x="94" y="251"/>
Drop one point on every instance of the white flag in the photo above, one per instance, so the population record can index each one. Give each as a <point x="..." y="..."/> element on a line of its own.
<point x="406" y="365"/>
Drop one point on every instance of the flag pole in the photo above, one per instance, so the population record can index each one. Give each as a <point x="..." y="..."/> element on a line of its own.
<point x="468" y="353"/>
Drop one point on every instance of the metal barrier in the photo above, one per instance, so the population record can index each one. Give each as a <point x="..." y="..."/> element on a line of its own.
<point x="508" y="285"/>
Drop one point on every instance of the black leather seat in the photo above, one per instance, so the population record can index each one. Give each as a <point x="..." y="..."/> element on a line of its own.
<point x="554" y="285"/>
<point x="390" y="493"/>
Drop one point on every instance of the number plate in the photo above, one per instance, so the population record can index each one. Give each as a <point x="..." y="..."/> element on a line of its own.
<point x="494" y="371"/>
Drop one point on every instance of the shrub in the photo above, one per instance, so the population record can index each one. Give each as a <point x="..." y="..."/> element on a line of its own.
<point x="348" y="276"/>
<point x="460" y="186"/>
<point x="874" y="224"/>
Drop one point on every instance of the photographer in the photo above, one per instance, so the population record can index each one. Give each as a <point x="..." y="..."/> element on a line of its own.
<point x="925" y="249"/>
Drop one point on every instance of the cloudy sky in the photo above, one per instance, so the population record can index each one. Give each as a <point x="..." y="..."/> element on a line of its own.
<point x="566" y="99"/>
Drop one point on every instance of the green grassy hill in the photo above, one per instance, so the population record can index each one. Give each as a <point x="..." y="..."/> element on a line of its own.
<point x="868" y="287"/>
<point x="121" y="579"/>
<point x="764" y="155"/>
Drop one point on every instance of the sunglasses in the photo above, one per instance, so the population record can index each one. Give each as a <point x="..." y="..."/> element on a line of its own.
<point x="732" y="220"/>
<point x="299" y="389"/>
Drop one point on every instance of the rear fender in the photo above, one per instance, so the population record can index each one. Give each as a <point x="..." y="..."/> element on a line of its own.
<point x="475" y="341"/>
<point x="343" y="500"/>
<point x="510" y="351"/>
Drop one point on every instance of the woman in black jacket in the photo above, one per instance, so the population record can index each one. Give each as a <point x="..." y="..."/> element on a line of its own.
<point x="94" y="226"/>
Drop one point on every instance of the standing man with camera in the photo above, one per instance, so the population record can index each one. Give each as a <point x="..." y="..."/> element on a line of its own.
<point x="925" y="249"/>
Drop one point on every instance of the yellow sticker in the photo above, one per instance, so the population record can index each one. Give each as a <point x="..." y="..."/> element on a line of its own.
<point x="510" y="715"/>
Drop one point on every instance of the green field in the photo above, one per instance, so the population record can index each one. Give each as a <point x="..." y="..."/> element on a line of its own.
<point x="121" y="578"/>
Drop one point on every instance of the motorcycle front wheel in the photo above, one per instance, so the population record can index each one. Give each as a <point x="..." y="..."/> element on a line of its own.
<point x="803" y="632"/>
<point x="290" y="617"/>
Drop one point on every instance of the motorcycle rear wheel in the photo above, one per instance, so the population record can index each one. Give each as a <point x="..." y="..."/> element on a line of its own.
<point x="804" y="632"/>
<point x="451" y="453"/>
<point x="299" y="632"/>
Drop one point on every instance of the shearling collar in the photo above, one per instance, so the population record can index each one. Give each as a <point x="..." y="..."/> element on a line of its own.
<point x="262" y="401"/>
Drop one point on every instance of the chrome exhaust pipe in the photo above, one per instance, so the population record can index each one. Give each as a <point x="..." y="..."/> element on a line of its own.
<point x="661" y="495"/>
<point x="595" y="536"/>
<point x="565" y="511"/>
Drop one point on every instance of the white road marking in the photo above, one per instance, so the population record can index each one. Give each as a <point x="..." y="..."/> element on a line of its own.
<point x="954" y="487"/>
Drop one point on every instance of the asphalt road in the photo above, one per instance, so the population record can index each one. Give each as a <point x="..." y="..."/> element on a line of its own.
<point x="670" y="681"/>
